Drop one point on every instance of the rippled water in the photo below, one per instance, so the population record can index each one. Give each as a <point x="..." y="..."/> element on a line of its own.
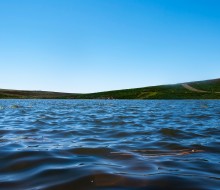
<point x="111" y="145"/>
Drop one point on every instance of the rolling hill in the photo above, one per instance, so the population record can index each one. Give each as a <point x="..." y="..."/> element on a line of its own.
<point x="209" y="89"/>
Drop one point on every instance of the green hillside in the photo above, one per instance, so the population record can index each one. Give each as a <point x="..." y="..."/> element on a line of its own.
<point x="208" y="85"/>
<point x="21" y="94"/>
<point x="177" y="91"/>
<point x="156" y="92"/>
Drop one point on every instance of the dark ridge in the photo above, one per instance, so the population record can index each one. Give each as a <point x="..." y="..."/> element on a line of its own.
<point x="211" y="90"/>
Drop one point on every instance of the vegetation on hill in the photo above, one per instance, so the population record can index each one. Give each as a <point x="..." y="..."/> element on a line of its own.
<point x="20" y="94"/>
<point x="176" y="91"/>
<point x="208" y="85"/>
<point x="156" y="92"/>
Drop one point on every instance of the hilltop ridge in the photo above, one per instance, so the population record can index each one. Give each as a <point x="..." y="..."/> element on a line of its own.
<point x="207" y="89"/>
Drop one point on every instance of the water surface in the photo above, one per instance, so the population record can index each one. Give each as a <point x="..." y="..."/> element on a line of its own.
<point x="110" y="145"/>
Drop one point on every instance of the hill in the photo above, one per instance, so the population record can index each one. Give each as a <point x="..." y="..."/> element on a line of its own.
<point x="24" y="94"/>
<point x="209" y="89"/>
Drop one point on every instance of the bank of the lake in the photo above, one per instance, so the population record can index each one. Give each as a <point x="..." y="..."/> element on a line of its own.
<point x="209" y="89"/>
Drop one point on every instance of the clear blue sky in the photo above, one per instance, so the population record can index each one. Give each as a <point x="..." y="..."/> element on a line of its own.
<point x="97" y="45"/>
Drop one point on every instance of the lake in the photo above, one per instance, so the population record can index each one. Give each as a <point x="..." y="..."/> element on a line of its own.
<point x="109" y="144"/>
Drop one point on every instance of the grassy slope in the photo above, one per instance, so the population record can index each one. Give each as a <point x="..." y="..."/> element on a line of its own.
<point x="9" y="94"/>
<point x="155" y="92"/>
<point x="208" y="85"/>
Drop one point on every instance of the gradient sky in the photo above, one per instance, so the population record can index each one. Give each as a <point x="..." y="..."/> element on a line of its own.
<point x="97" y="45"/>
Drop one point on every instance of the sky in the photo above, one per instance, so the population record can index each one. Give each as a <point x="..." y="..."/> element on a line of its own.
<point x="84" y="46"/>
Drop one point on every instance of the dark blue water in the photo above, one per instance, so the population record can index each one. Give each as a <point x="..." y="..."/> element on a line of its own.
<point x="110" y="145"/>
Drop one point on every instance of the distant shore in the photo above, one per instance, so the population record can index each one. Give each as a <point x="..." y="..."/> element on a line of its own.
<point x="208" y="89"/>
